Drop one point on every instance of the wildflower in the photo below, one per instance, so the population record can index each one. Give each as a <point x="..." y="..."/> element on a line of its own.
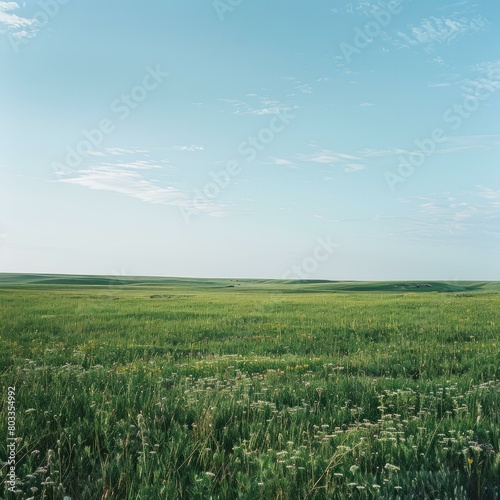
<point x="391" y="467"/>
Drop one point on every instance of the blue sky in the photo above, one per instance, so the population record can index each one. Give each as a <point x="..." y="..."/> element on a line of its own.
<point x="235" y="139"/>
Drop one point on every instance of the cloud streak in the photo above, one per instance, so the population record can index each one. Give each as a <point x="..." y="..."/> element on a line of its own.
<point x="370" y="157"/>
<point x="191" y="148"/>
<point x="434" y="31"/>
<point x="257" y="106"/>
<point x="349" y="162"/>
<point x="17" y="26"/>
<point x="129" y="178"/>
<point x="451" y="217"/>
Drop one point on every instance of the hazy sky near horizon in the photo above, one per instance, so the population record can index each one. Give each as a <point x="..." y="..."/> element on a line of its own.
<point x="330" y="139"/>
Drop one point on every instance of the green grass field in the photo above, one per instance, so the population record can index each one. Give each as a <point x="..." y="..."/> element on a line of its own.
<point x="222" y="389"/>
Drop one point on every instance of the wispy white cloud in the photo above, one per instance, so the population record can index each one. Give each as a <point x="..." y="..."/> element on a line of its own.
<point x="354" y="167"/>
<point x="130" y="178"/>
<point x="489" y="69"/>
<point x="363" y="158"/>
<point x="489" y="193"/>
<point x="360" y="7"/>
<point x="441" y="30"/>
<point x="344" y="69"/>
<point x="451" y="144"/>
<point x="327" y="156"/>
<point x="486" y="77"/>
<point x="437" y="85"/>
<point x="118" y="152"/>
<point x="191" y="148"/>
<point x="454" y="5"/>
<point x="349" y="162"/>
<point x="120" y="179"/>
<point x="452" y="217"/>
<point x="282" y="162"/>
<point x="382" y="153"/>
<point x="17" y="26"/>
<point x="300" y="86"/>
<point x="469" y="142"/>
<point x="258" y="105"/>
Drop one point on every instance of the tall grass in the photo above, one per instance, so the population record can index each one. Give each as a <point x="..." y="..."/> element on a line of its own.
<point x="187" y="392"/>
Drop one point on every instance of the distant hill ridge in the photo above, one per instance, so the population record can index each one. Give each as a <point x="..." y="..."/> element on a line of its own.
<point x="8" y="280"/>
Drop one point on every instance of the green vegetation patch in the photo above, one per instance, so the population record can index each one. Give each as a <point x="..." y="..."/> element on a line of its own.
<point x="194" y="389"/>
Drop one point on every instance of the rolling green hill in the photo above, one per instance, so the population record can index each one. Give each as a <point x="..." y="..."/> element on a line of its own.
<point x="241" y="285"/>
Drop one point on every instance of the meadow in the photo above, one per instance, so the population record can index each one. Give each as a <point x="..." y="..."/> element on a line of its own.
<point x="130" y="388"/>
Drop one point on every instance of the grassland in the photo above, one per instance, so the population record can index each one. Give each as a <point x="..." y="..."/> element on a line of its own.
<point x="168" y="388"/>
